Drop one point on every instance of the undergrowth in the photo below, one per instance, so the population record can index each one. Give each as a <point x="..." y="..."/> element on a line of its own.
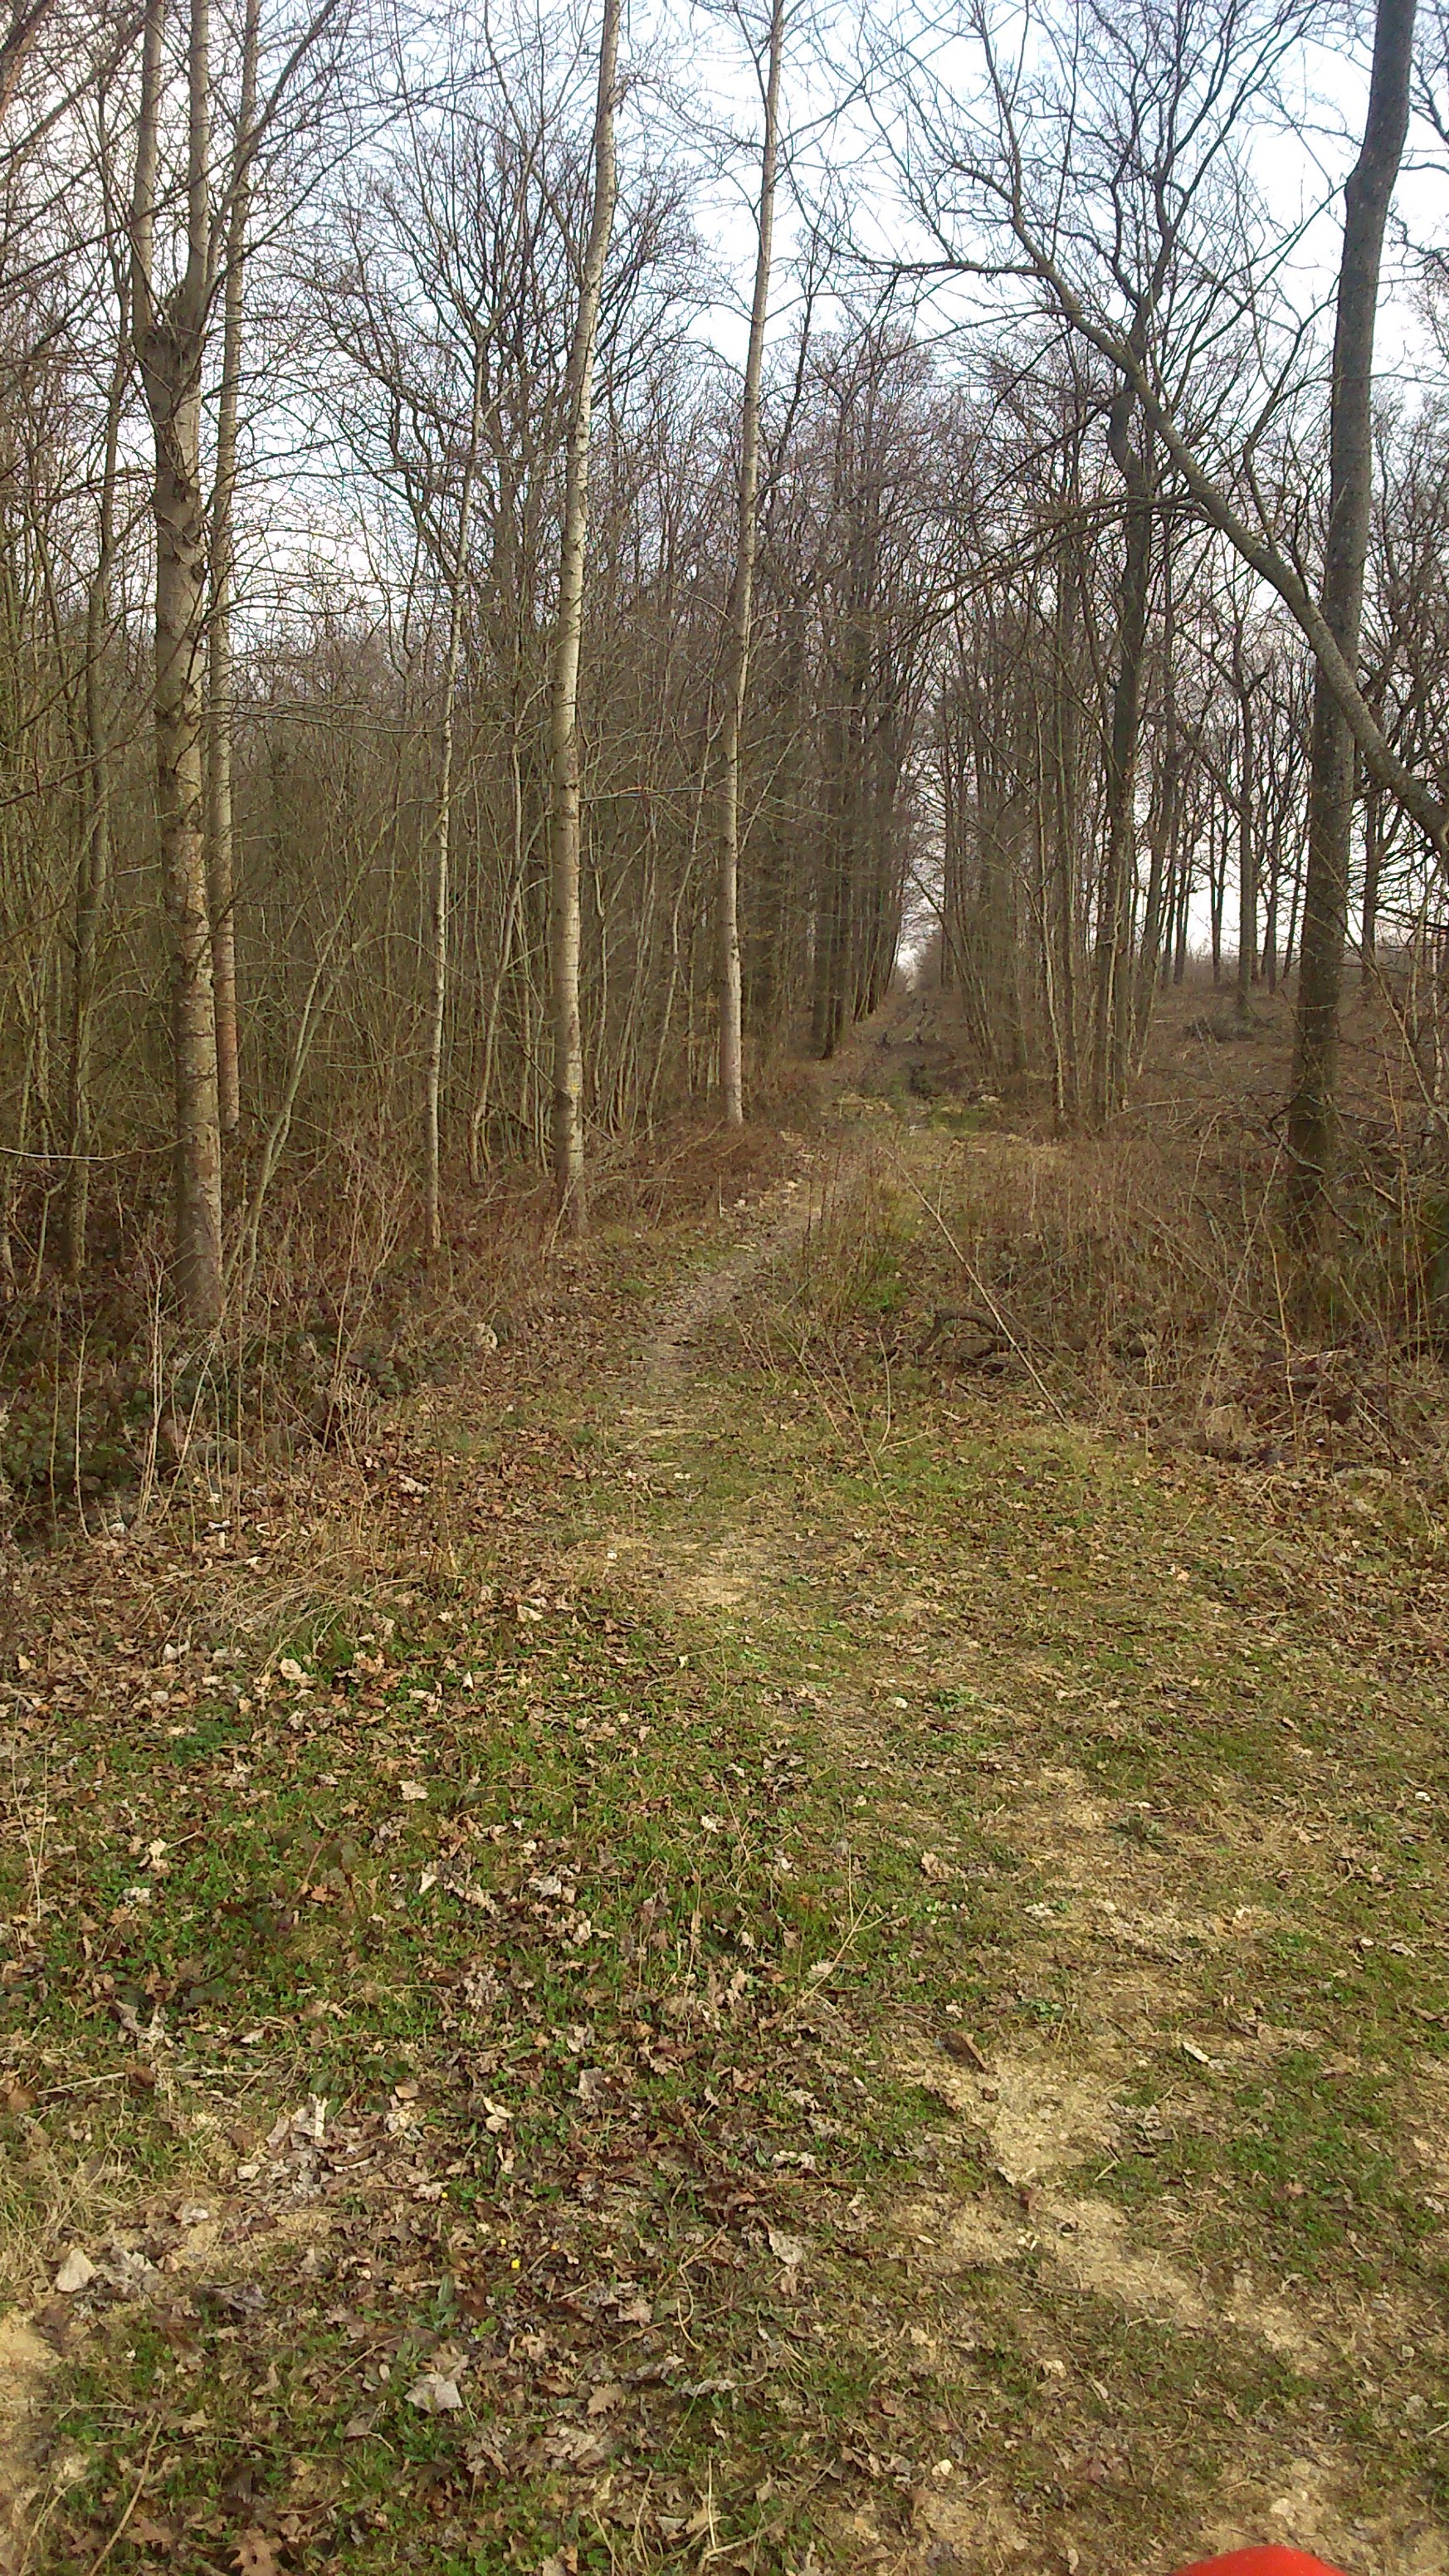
<point x="1122" y="1279"/>
<point x="333" y="1313"/>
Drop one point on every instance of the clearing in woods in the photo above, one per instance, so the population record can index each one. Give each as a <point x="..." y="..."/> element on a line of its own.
<point x="737" y="1945"/>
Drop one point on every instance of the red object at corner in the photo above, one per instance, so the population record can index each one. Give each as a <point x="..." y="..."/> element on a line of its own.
<point x="1260" y="2562"/>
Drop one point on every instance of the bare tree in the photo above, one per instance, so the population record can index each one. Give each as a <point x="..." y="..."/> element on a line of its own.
<point x="1332" y="779"/>
<point x="220" y="709"/>
<point x="737" y="655"/>
<point x="566" y="814"/>
<point x="169" y="325"/>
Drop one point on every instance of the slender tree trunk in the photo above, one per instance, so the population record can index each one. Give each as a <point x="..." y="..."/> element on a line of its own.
<point x="443" y="841"/>
<point x="1065" y="824"/>
<point x="1247" y="867"/>
<point x="565" y="834"/>
<point x="220" y="710"/>
<point x="1295" y="899"/>
<point x="1270" y="926"/>
<point x="1217" y="888"/>
<point x="1184" y="907"/>
<point x="170" y="337"/>
<point x="478" y="1153"/>
<point x="1373" y="846"/>
<point x="1111" y="997"/>
<point x="737" y="665"/>
<point x="1163" y="824"/>
<point x="93" y="876"/>
<point x="1312" y="1109"/>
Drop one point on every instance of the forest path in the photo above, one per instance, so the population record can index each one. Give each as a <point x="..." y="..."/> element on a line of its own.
<point x="776" y="1958"/>
<point x="1000" y="1720"/>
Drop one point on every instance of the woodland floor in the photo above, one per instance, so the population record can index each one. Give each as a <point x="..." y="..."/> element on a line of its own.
<point x="717" y="1954"/>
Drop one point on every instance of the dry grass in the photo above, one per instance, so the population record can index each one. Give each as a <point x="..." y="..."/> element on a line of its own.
<point x="1139" y="1278"/>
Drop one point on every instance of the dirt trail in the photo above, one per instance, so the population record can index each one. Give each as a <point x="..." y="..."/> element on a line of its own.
<point x="777" y="1224"/>
<point x="1039" y="2119"/>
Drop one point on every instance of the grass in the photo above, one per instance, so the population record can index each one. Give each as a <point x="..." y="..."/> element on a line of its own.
<point x="873" y="1959"/>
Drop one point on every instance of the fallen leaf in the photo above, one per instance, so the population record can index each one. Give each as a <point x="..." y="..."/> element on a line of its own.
<point x="254" y="2555"/>
<point x="789" y="2250"/>
<point x="76" y="2272"/>
<point x="412" y="1791"/>
<point x="960" y="2044"/>
<point x="604" y="2398"/>
<point x="485" y="2451"/>
<point x="434" y="2395"/>
<point x="573" y="2446"/>
<point x="290" y="1669"/>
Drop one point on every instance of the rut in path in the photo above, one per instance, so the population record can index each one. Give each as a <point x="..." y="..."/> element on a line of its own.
<point x="786" y="1215"/>
<point x="779" y="1222"/>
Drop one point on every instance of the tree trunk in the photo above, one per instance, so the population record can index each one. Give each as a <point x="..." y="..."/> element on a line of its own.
<point x="443" y="842"/>
<point x="1184" y="908"/>
<point x="93" y="876"/>
<point x="1112" y="988"/>
<point x="737" y="666"/>
<point x="1295" y="898"/>
<point x="1247" y="866"/>
<point x="1373" y="847"/>
<point x="1163" y="823"/>
<point x="1066" y="823"/>
<point x="220" y="712"/>
<point x="1312" y="1109"/>
<point x="565" y="834"/>
<point x="170" y="338"/>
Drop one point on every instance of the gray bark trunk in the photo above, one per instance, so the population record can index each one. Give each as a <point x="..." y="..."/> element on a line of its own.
<point x="220" y="712"/>
<point x="737" y="672"/>
<point x="170" y="338"/>
<point x="1312" y="1109"/>
<point x="565" y="817"/>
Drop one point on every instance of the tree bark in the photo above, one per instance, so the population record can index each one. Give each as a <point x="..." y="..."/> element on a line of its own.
<point x="1066" y="820"/>
<point x="737" y="666"/>
<point x="1373" y="845"/>
<point x="1312" y="1109"/>
<point x="1162" y="826"/>
<point x="565" y="817"/>
<point x="1112" y="987"/>
<point x="443" y="841"/>
<point x="1247" y="860"/>
<point x="93" y="875"/>
<point x="221" y="707"/>
<point x="170" y="340"/>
